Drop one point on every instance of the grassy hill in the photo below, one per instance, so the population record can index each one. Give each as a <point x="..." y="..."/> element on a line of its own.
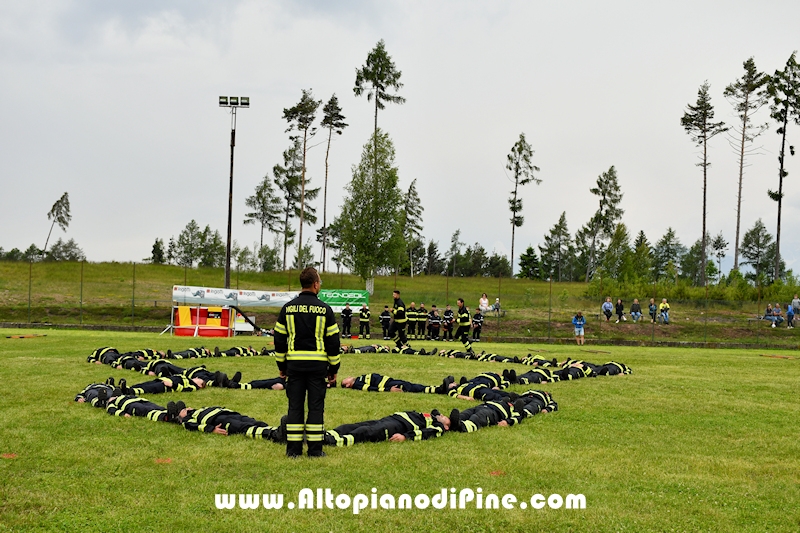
<point x="535" y="309"/>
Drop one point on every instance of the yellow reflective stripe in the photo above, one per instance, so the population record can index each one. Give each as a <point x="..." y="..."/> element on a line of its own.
<point x="306" y="357"/>
<point x="332" y="330"/>
<point x="280" y="357"/>
<point x="314" y="427"/>
<point x="280" y="328"/>
<point x="335" y="360"/>
<point x="291" y="331"/>
<point x="408" y="418"/>
<point x="319" y="328"/>
<point x="382" y="384"/>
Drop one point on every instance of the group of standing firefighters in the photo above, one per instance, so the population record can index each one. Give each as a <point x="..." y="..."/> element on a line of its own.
<point x="416" y="323"/>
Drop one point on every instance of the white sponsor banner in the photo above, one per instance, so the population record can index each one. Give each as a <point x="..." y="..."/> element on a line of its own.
<point x="184" y="294"/>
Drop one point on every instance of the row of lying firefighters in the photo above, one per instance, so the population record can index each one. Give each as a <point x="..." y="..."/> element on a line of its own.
<point x="400" y="426"/>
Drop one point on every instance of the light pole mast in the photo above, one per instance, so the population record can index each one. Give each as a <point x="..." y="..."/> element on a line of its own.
<point x="233" y="102"/>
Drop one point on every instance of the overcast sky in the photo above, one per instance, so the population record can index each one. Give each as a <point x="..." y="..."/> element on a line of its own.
<point x="116" y="103"/>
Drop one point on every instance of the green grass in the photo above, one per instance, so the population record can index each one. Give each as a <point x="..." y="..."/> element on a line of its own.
<point x="693" y="440"/>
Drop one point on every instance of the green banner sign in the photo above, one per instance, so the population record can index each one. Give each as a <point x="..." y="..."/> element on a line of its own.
<point x="337" y="298"/>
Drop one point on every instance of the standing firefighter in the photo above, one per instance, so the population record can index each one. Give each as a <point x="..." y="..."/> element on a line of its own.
<point x="363" y="322"/>
<point x="307" y="352"/>
<point x="463" y="321"/>
<point x="398" y="330"/>
<point x="422" y="319"/>
<point x="386" y="321"/>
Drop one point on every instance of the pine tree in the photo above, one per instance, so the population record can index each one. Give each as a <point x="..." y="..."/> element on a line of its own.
<point x="333" y="121"/>
<point x="529" y="264"/>
<point x="555" y="252"/>
<point x="607" y="215"/>
<point x="698" y="121"/>
<point x="784" y="91"/>
<point x="266" y="208"/>
<point x="412" y="222"/>
<point x="748" y="94"/>
<point x="518" y="162"/>
<point x="370" y="219"/>
<point x="301" y="118"/>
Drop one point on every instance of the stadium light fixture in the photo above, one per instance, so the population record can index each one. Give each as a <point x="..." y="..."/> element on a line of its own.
<point x="234" y="102"/>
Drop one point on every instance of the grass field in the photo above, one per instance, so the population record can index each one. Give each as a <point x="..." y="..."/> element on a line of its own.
<point x="693" y="440"/>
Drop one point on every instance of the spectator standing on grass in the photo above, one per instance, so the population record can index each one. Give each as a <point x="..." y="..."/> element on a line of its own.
<point x="496" y="307"/>
<point x="620" y="310"/>
<point x="607" y="308"/>
<point x="790" y="316"/>
<point x="663" y="309"/>
<point x="796" y="304"/>
<point x="484" y="303"/>
<point x="579" y="321"/>
<point x="653" y="309"/>
<point x="636" y="310"/>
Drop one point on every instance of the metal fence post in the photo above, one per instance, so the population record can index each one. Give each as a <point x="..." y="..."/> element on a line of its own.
<point x="133" y="296"/>
<point x="81" y="304"/>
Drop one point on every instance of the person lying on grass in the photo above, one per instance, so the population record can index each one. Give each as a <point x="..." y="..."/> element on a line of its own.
<point x="222" y="421"/>
<point x="379" y="383"/>
<point x="277" y="383"/>
<point x="185" y="382"/>
<point x="372" y="348"/>
<point x="486" y="387"/>
<point x="398" y="427"/>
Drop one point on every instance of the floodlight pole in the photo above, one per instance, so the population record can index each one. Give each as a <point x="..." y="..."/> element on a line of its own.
<point x="230" y="204"/>
<point x="233" y="102"/>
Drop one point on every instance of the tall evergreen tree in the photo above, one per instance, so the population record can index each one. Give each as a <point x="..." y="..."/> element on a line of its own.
<point x="667" y="250"/>
<point x="555" y="252"/>
<point x="60" y="215"/>
<point x="211" y="249"/>
<point x="266" y="208"/>
<point x="529" y="264"/>
<point x="370" y="219"/>
<point x="617" y="261"/>
<point x="692" y="262"/>
<point x="756" y="246"/>
<point x="518" y="162"/>
<point x="157" y="254"/>
<point x="784" y="92"/>
<point x="642" y="256"/>
<point x="288" y="180"/>
<point x="301" y="118"/>
<point x="698" y="121"/>
<point x="607" y="215"/>
<point x="188" y="245"/>
<point x="434" y="264"/>
<point x="719" y="246"/>
<point x="333" y="121"/>
<point x="377" y="77"/>
<point x="412" y="223"/>
<point x="747" y="94"/>
<point x="455" y="249"/>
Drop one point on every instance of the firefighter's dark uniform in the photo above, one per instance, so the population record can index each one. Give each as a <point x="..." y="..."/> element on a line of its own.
<point x="347" y="315"/>
<point x="106" y="355"/>
<point x="162" y="368"/>
<point x="386" y="321"/>
<point x="91" y="394"/>
<point x="411" y="424"/>
<point x="411" y="324"/>
<point x="538" y="360"/>
<point x="380" y="383"/>
<point x="258" y="384"/>
<point x="135" y="406"/>
<point x="538" y="400"/>
<point x="422" y="318"/>
<point x="398" y="329"/>
<point x="208" y="418"/>
<point x="180" y="383"/>
<point x="462" y="333"/>
<point x="129" y="362"/>
<point x="363" y="323"/>
<point x="477" y="326"/>
<point x="612" y="368"/>
<point x="236" y="351"/>
<point x="487" y="414"/>
<point x="307" y="351"/>
<point x="434" y="323"/>
<point x="447" y="321"/>
<point x="191" y="353"/>
<point x="537" y="375"/>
